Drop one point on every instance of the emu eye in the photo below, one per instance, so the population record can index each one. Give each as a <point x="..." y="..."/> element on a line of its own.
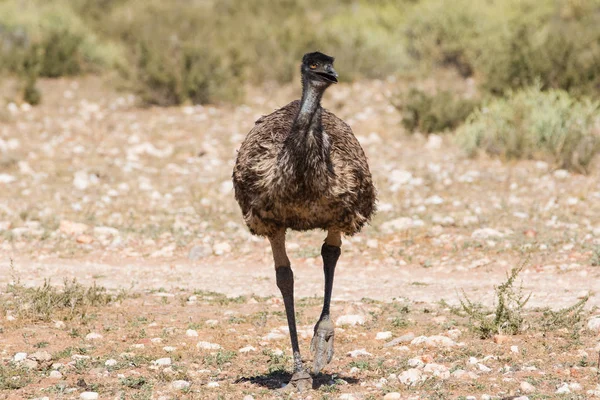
<point x="313" y="66"/>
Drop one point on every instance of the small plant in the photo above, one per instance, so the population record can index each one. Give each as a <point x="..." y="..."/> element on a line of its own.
<point x="134" y="382"/>
<point x="220" y="358"/>
<point x="433" y="113"/>
<point x="570" y="318"/>
<point x="508" y="315"/>
<point x="277" y="362"/>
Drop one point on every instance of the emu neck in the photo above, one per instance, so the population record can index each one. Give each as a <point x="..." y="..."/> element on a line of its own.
<point x="305" y="157"/>
<point x="309" y="115"/>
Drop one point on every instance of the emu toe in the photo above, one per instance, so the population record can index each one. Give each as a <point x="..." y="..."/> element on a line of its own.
<point x="301" y="381"/>
<point x="321" y="345"/>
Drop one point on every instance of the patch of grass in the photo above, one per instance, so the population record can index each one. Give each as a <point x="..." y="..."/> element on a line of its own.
<point x="570" y="318"/>
<point x="219" y="298"/>
<point x="49" y="302"/>
<point x="276" y="362"/>
<point x="134" y="382"/>
<point x="508" y="315"/>
<point x="13" y="377"/>
<point x="532" y="124"/>
<point x="220" y="358"/>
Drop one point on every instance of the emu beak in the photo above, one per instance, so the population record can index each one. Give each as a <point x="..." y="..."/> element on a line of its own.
<point x="329" y="74"/>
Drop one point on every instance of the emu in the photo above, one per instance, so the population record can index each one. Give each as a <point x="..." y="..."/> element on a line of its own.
<point x="301" y="168"/>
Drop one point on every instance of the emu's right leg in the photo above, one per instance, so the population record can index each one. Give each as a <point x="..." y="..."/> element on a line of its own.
<point x="285" y="282"/>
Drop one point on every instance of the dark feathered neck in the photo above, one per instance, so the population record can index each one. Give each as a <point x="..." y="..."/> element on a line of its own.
<point x="309" y="115"/>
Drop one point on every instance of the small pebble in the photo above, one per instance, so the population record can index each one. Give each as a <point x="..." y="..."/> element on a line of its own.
<point x="110" y="363"/>
<point x="180" y="385"/>
<point x="88" y="396"/>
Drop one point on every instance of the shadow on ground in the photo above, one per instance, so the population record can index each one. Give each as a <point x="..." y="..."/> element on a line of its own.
<point x="278" y="379"/>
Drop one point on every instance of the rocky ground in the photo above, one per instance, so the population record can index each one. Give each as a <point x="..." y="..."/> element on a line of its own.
<point x="140" y="202"/>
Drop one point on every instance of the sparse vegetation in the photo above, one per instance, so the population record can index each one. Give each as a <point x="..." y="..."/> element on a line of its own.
<point x="533" y="124"/>
<point x="595" y="259"/>
<point x="433" y="113"/>
<point x="47" y="301"/>
<point x="507" y="318"/>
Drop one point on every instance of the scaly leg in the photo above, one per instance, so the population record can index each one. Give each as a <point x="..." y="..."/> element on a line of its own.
<point x="322" y="342"/>
<point x="285" y="282"/>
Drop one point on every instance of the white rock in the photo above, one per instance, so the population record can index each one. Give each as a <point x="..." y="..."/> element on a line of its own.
<point x="594" y="324"/>
<point x="410" y="377"/>
<point x="514" y="349"/>
<point x="93" y="336"/>
<point x="372" y="243"/>
<point x="248" y="397"/>
<point x="437" y="370"/>
<point x="55" y="374"/>
<point x="42" y="356"/>
<point x="6" y="178"/>
<point x="19" y="357"/>
<point x="401" y="224"/>
<point x="383" y="335"/>
<point x="564" y="388"/>
<point x="418" y="340"/>
<point x="110" y="362"/>
<point x="221" y="248"/>
<point x="247" y="349"/>
<point x="486" y="233"/>
<point x="191" y="333"/>
<point x="561" y="174"/>
<point x="527" y="387"/>
<point x="212" y="322"/>
<point x="433" y="142"/>
<point x="208" y="346"/>
<point x="162" y="361"/>
<point x="105" y="231"/>
<point x="88" y="396"/>
<point x="392" y="396"/>
<point x="439" y="341"/>
<point x="180" y="385"/>
<point x="347" y="396"/>
<point x="169" y="349"/>
<point x="274" y="336"/>
<point x="359" y="353"/>
<point x="350" y="319"/>
<point x="59" y="325"/>
<point x="575" y="386"/>
<point x="416" y="363"/>
<point x="212" y="384"/>
<point x="483" y="368"/>
<point x="435" y="200"/>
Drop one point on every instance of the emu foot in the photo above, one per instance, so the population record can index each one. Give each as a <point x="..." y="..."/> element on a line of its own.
<point x="321" y="345"/>
<point x="301" y="381"/>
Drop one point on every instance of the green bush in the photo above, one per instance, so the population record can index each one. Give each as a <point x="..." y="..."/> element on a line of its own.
<point x="62" y="42"/>
<point x="426" y="114"/>
<point x="532" y="124"/>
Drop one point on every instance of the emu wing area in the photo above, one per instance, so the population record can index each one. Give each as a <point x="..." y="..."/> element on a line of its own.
<point x="347" y="205"/>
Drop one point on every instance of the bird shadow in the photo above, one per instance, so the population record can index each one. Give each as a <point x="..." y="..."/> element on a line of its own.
<point x="278" y="379"/>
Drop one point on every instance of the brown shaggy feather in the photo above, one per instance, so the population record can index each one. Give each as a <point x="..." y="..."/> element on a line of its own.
<point x="286" y="179"/>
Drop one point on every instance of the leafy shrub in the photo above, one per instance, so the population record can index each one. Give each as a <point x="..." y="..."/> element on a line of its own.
<point x="63" y="43"/>
<point x="510" y="44"/>
<point x="426" y="113"/>
<point x="532" y="124"/>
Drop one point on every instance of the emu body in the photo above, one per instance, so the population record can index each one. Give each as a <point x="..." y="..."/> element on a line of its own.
<point x="301" y="168"/>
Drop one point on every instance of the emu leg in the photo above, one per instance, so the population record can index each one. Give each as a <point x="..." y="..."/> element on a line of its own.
<point x="301" y="380"/>
<point x="321" y="345"/>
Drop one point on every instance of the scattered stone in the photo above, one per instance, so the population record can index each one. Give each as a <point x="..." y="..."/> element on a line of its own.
<point x="191" y="333"/>
<point x="527" y="387"/>
<point x="563" y="389"/>
<point x="162" y="361"/>
<point x="594" y="324"/>
<point x="72" y="228"/>
<point x="514" y="349"/>
<point x="418" y="340"/>
<point x="41" y="356"/>
<point x="55" y="374"/>
<point x="180" y="385"/>
<point x="84" y="239"/>
<point x="212" y="384"/>
<point x="359" y="353"/>
<point x="392" y="396"/>
<point x="351" y="319"/>
<point x="383" y="335"/>
<point x="110" y="362"/>
<point x="6" y="178"/>
<point x="93" y="336"/>
<point x="401" y="224"/>
<point x="347" y="396"/>
<point x="19" y="357"/>
<point x="59" y="325"/>
<point x="410" y="377"/>
<point x="486" y="233"/>
<point x="198" y="252"/>
<point x="221" y="248"/>
<point x="248" y="397"/>
<point x="30" y="364"/>
<point x="207" y="346"/>
<point x="501" y="339"/>
<point x="247" y="349"/>
<point x="406" y="338"/>
<point x="439" y="341"/>
<point x="212" y="322"/>
<point x="88" y="396"/>
<point x="274" y="336"/>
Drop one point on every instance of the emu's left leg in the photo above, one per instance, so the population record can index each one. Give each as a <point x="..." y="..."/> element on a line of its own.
<point x="322" y="342"/>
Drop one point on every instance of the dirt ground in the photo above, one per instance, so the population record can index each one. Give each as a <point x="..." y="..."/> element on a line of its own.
<point x="139" y="201"/>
